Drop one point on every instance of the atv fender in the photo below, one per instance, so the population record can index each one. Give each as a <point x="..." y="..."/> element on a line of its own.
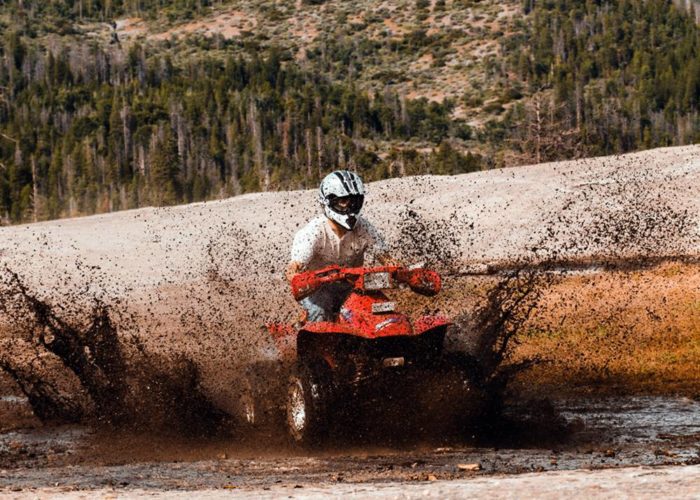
<point x="427" y="323"/>
<point x="328" y="327"/>
<point x="285" y="338"/>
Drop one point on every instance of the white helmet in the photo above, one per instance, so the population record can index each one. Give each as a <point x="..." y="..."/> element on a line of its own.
<point x="342" y="195"/>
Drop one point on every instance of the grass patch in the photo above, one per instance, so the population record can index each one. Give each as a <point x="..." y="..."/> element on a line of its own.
<point x="620" y="331"/>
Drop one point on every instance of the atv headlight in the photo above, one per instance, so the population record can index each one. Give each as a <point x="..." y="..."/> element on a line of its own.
<point x="377" y="281"/>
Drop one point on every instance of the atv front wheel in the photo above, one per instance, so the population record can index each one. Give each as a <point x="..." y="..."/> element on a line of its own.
<point x="306" y="407"/>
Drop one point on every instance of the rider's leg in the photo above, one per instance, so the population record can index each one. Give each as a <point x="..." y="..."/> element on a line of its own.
<point x="314" y="312"/>
<point x="324" y="304"/>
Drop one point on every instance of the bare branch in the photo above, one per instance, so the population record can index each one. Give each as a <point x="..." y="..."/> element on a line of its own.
<point x="9" y="138"/>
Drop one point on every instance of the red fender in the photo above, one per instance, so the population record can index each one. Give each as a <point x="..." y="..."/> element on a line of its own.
<point x="426" y="323"/>
<point x="329" y="327"/>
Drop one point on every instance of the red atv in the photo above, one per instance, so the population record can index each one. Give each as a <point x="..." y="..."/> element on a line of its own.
<point x="371" y="348"/>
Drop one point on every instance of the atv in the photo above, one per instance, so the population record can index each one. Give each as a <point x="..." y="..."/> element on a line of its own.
<point x="370" y="352"/>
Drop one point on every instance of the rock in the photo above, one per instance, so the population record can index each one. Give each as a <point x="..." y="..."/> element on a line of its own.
<point x="469" y="467"/>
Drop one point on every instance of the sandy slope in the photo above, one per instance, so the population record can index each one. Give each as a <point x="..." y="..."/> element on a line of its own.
<point x="559" y="208"/>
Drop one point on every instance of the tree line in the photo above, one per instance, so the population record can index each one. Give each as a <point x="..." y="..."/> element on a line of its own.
<point x="106" y="10"/>
<point x="88" y="129"/>
<point x="606" y="76"/>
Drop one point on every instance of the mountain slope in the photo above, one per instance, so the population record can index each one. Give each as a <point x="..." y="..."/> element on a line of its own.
<point x="110" y="105"/>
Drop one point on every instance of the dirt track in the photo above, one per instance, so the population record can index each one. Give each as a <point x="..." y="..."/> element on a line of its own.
<point x="638" y="482"/>
<point x="598" y="434"/>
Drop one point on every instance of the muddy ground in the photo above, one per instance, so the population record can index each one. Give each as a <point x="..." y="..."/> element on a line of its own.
<point x="573" y="425"/>
<point x="580" y="434"/>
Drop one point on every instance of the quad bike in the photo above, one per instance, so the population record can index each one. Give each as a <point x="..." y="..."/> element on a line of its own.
<point x="370" y="349"/>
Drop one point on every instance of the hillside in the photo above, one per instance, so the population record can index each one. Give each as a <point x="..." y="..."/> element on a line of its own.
<point x="113" y="105"/>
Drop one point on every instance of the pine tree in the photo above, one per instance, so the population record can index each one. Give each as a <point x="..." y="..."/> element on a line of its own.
<point x="165" y="186"/>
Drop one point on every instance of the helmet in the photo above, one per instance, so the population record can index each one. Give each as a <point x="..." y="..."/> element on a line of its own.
<point x="342" y="195"/>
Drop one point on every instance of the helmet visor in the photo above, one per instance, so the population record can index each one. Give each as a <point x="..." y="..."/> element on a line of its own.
<point x="347" y="204"/>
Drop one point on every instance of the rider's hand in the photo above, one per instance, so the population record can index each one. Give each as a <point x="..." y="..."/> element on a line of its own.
<point x="293" y="269"/>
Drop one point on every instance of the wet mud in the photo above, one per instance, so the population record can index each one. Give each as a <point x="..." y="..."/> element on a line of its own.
<point x="82" y="370"/>
<point x="592" y="434"/>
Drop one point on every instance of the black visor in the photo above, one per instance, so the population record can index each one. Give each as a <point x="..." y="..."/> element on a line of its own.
<point x="347" y="204"/>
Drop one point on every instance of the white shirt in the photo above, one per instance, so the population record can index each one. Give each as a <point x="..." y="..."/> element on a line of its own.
<point x="317" y="246"/>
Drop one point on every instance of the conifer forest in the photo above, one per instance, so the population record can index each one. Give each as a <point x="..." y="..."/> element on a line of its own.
<point x="93" y="122"/>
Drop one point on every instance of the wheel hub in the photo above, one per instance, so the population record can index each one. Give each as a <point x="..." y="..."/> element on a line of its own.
<point x="296" y="409"/>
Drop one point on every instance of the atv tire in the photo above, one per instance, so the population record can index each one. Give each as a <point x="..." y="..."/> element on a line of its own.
<point x="307" y="407"/>
<point x="249" y="404"/>
<point x="261" y="395"/>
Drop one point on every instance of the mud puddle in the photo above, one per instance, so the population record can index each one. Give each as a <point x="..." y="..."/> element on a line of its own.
<point x="640" y="430"/>
<point x="600" y="433"/>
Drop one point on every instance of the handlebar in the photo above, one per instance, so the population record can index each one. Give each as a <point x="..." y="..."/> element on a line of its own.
<point x="422" y="281"/>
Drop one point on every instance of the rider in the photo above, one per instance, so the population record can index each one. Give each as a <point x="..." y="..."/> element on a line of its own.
<point x="339" y="237"/>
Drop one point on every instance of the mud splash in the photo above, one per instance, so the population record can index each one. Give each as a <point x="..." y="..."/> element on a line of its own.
<point x="497" y="321"/>
<point x="631" y="223"/>
<point x="110" y="377"/>
<point x="82" y="369"/>
<point x="431" y="242"/>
